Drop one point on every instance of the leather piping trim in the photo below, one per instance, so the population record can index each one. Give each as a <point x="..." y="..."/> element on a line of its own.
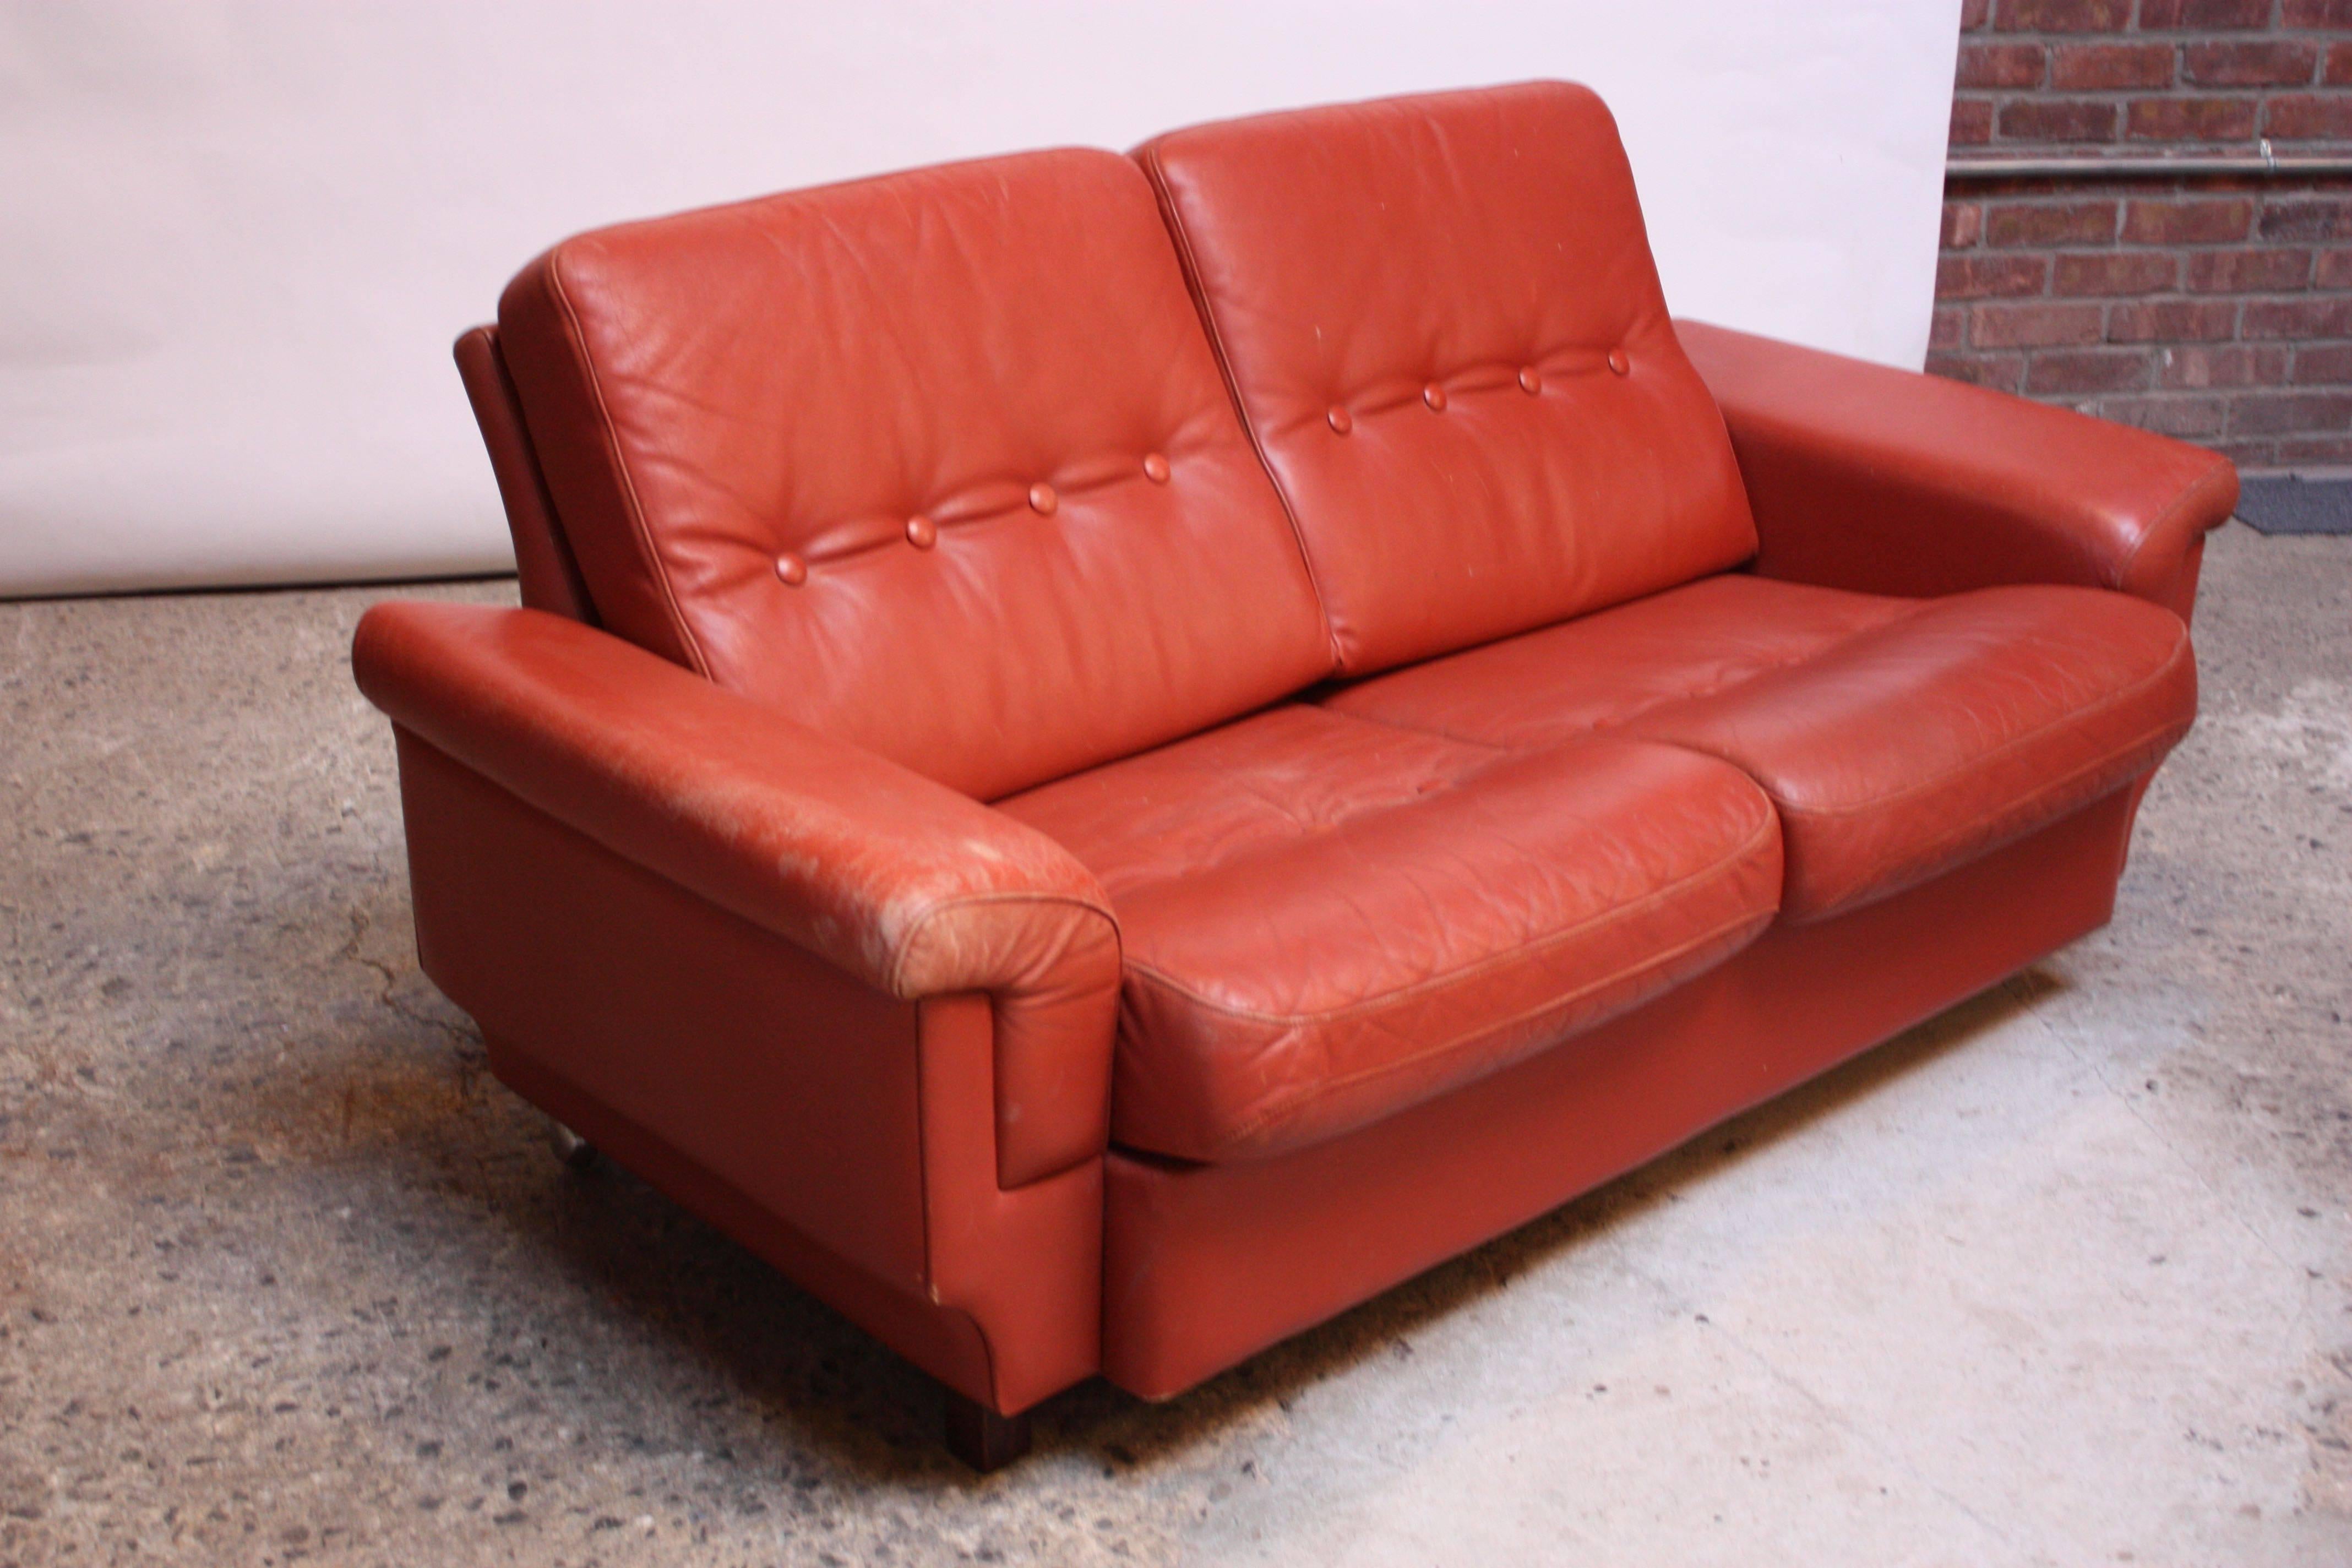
<point x="641" y="535"/>
<point x="2162" y="524"/>
<point x="1879" y="802"/>
<point x="1765" y="830"/>
<point x="1926" y="862"/>
<point x="966" y="900"/>
<point x="1190" y="265"/>
<point x="1755" y="923"/>
<point x="923" y="1179"/>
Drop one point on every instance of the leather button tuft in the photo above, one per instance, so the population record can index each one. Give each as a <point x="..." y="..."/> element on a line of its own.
<point x="1617" y="362"/>
<point x="1041" y="499"/>
<point x="1435" y="396"/>
<point x="792" y="570"/>
<point x="1155" y="468"/>
<point x="922" y="533"/>
<point x="1340" y="421"/>
<point x="1530" y="382"/>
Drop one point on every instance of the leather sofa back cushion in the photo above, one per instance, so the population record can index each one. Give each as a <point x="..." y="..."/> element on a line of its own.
<point x="939" y="463"/>
<point x="1441" y="318"/>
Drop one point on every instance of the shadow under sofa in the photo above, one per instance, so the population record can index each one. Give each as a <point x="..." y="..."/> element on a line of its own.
<point x="1448" y="732"/>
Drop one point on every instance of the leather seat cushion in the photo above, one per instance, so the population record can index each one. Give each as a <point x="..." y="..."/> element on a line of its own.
<point x="1324" y="920"/>
<point x="1897" y="737"/>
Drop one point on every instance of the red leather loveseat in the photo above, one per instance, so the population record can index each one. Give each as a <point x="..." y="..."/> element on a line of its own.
<point x="1110" y="755"/>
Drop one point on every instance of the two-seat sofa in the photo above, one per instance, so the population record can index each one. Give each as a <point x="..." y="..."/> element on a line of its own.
<point x="1111" y="755"/>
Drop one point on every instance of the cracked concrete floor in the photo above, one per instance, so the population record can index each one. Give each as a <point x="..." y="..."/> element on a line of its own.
<point x="2063" y="1276"/>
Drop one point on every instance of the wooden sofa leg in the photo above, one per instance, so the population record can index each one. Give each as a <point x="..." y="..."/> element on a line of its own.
<point x="981" y="1438"/>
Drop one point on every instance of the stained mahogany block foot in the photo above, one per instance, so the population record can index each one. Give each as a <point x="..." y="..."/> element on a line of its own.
<point x="981" y="1438"/>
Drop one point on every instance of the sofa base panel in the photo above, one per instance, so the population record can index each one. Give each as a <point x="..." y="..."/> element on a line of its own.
<point x="1205" y="1265"/>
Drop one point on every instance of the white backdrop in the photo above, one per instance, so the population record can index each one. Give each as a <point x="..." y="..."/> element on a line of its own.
<point x="237" y="237"/>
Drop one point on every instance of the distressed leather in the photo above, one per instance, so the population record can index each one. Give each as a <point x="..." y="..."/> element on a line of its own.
<point x="967" y="413"/>
<point x="1897" y="737"/>
<point x="1864" y="477"/>
<point x="1327" y="921"/>
<point x="1442" y="323"/>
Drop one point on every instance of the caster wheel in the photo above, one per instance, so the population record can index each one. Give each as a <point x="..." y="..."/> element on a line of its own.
<point x="576" y="1153"/>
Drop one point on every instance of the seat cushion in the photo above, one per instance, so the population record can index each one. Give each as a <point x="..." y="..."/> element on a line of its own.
<point x="1443" y="322"/>
<point x="1897" y="737"/>
<point x="939" y="463"/>
<point x="1324" y="920"/>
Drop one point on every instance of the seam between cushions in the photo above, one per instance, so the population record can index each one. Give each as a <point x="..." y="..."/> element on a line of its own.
<point x="632" y="504"/>
<point x="1766" y="830"/>
<point x="1323" y="1089"/>
<point x="1188" y="264"/>
<point x="1983" y="759"/>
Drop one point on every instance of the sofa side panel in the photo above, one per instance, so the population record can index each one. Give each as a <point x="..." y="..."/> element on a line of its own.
<point x="1205" y="1265"/>
<point x="846" y="1136"/>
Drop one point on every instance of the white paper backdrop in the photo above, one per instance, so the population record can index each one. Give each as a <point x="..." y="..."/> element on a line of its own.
<point x="237" y="237"/>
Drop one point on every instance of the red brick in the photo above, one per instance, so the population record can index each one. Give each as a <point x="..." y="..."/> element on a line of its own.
<point x="2032" y="326"/>
<point x="2189" y="119"/>
<point x="2335" y="270"/>
<point x="2339" y="68"/>
<point x="2247" y="454"/>
<point x="1986" y="276"/>
<point x="2197" y="368"/>
<point x="2296" y="319"/>
<point x="2013" y="224"/>
<point x="2188" y="222"/>
<point x="2065" y="15"/>
<point x="2247" y="62"/>
<point x="1944" y="327"/>
<point x="2202" y="15"/>
<point x="2324" y="363"/>
<point x="1975" y="13"/>
<point x="1963" y="224"/>
<point x="2000" y="64"/>
<point x="2309" y="117"/>
<point x="2316" y="14"/>
<point x="2004" y="373"/>
<point x="2186" y="417"/>
<point x="2247" y="272"/>
<point x="2105" y="67"/>
<point x="2058" y="120"/>
<point x="2115" y="272"/>
<point x="1971" y="122"/>
<point x="2290" y="413"/>
<point x="2324" y="449"/>
<point x="2087" y="370"/>
<point x="2172" y="320"/>
<point x="2310" y="217"/>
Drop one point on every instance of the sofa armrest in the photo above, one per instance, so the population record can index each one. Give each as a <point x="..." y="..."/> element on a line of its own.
<point x="913" y="889"/>
<point x="1892" y="482"/>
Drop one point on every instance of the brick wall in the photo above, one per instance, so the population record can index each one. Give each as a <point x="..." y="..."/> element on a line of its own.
<point x="2218" y="309"/>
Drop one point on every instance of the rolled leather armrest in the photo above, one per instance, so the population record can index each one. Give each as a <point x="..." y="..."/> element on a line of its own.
<point x="917" y="890"/>
<point x="1892" y="482"/>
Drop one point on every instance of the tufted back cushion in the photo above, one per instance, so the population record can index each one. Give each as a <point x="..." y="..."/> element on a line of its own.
<point x="1441" y="318"/>
<point x="939" y="463"/>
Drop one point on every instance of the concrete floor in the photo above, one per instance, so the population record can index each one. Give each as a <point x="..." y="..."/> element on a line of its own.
<point x="2064" y="1277"/>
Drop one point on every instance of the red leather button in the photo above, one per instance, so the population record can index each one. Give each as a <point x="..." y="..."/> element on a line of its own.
<point x="1155" y="468"/>
<point x="1435" y="396"/>
<point x="1041" y="499"/>
<point x="791" y="569"/>
<point x="1617" y="362"/>
<point x="1340" y="420"/>
<point x="921" y="532"/>
<point x="1530" y="382"/>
